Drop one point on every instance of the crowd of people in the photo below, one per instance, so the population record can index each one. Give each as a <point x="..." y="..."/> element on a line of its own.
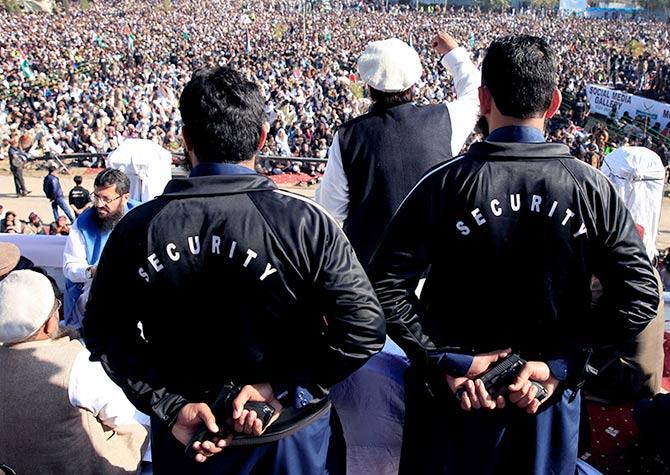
<point x="83" y="81"/>
<point x="574" y="283"/>
<point x="11" y="224"/>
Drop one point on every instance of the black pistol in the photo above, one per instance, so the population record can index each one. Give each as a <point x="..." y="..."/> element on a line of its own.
<point x="502" y="374"/>
<point x="222" y="408"/>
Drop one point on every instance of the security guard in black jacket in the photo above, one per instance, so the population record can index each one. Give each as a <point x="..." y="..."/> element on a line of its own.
<point x="508" y="238"/>
<point x="232" y="281"/>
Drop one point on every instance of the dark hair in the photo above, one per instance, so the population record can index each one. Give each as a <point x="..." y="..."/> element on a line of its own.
<point x="78" y="180"/>
<point x="390" y="99"/>
<point x="111" y="176"/>
<point x="222" y="113"/>
<point x="521" y="74"/>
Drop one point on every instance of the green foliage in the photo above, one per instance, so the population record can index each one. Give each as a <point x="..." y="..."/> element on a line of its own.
<point x="493" y="4"/>
<point x="167" y="5"/>
<point x="11" y="6"/>
<point x="548" y="4"/>
<point x="358" y="90"/>
<point x="84" y="4"/>
<point x="654" y="5"/>
<point x="635" y="48"/>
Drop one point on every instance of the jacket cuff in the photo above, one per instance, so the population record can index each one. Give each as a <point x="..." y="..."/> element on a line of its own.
<point x="453" y="364"/>
<point x="167" y="410"/>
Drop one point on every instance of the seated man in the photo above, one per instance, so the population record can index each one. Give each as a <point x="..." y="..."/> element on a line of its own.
<point x="87" y="238"/>
<point x="61" y="413"/>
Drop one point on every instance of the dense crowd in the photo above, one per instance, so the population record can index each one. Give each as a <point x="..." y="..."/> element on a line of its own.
<point x="82" y="81"/>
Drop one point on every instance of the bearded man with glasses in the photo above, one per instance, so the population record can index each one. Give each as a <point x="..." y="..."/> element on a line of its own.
<point x="89" y="233"/>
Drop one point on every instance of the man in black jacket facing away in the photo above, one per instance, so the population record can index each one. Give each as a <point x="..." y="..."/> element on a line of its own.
<point x="234" y="281"/>
<point x="508" y="237"/>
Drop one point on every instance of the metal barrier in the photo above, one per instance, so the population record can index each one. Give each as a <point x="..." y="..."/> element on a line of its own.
<point x="281" y="158"/>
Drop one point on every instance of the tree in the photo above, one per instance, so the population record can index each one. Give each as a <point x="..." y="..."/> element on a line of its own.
<point x="548" y="4"/>
<point x="493" y="4"/>
<point x="654" y="5"/>
<point x="11" y="6"/>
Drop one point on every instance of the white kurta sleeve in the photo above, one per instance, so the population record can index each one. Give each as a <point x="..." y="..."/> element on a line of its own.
<point x="74" y="256"/>
<point x="333" y="194"/>
<point x="91" y="389"/>
<point x="464" y="111"/>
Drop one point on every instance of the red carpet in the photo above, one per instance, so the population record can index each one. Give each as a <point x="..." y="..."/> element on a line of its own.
<point x="614" y="436"/>
<point x="296" y="179"/>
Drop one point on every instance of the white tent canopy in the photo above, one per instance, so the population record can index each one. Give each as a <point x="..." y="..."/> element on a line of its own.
<point x="638" y="175"/>
<point x="147" y="164"/>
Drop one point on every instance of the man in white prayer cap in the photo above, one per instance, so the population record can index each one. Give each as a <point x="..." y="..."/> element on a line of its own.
<point x="375" y="159"/>
<point x="60" y="412"/>
<point x="373" y="163"/>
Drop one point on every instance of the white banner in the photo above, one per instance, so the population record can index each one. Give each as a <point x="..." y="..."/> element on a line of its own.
<point x="572" y="5"/>
<point x="603" y="99"/>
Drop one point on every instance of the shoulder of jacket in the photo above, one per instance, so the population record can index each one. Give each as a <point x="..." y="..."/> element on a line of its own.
<point x="302" y="203"/>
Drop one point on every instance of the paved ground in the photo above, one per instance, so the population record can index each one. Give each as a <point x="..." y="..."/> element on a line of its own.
<point x="37" y="202"/>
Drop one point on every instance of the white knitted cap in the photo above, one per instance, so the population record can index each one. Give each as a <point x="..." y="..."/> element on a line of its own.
<point x="389" y="65"/>
<point x="26" y="300"/>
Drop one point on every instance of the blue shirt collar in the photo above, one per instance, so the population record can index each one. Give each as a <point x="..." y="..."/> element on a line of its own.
<point x="208" y="169"/>
<point x="516" y="133"/>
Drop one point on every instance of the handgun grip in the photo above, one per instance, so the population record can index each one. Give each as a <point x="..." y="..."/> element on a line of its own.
<point x="541" y="393"/>
<point x="263" y="411"/>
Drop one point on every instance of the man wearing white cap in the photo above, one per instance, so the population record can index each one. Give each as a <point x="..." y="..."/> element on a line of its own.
<point x="375" y="159"/>
<point x="61" y="413"/>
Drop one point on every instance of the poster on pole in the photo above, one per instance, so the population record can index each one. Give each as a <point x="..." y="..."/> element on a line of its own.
<point x="602" y="100"/>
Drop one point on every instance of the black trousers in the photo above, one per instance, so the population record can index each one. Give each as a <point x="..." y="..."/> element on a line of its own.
<point x="19" y="184"/>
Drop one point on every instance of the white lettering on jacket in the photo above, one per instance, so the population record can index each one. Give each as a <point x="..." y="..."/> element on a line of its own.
<point x="173" y="252"/>
<point x="532" y="206"/>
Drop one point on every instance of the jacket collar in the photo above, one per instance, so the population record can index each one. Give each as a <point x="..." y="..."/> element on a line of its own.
<point x="216" y="185"/>
<point x="508" y="150"/>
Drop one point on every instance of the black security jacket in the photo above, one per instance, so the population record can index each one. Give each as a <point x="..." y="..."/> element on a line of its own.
<point x="509" y="237"/>
<point x="231" y="279"/>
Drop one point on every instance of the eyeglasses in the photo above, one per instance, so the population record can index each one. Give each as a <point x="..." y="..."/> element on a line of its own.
<point x="102" y="199"/>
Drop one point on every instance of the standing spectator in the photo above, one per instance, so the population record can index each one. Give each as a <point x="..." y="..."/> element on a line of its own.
<point x="17" y="160"/>
<point x="79" y="197"/>
<point x="53" y="191"/>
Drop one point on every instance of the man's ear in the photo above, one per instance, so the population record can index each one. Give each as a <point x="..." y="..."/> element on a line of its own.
<point x="484" y="100"/>
<point x="190" y="158"/>
<point x="556" y="99"/>
<point x="51" y="324"/>
<point x="263" y="138"/>
<point x="188" y="145"/>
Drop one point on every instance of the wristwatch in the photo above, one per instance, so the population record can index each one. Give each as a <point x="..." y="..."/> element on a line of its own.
<point x="89" y="273"/>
